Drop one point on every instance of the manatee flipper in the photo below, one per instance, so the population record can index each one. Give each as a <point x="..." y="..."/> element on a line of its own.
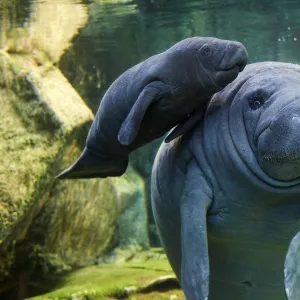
<point x="186" y="125"/>
<point x="292" y="269"/>
<point x="194" y="245"/>
<point x="151" y="93"/>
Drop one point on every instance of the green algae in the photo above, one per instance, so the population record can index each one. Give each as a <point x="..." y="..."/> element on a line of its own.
<point x="50" y="226"/>
<point x="47" y="226"/>
<point x="32" y="136"/>
<point x="108" y="280"/>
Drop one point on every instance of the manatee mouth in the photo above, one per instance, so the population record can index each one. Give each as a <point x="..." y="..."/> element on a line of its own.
<point x="234" y="58"/>
<point x="238" y="68"/>
<point x="274" y="148"/>
<point x="278" y="154"/>
<point x="230" y="66"/>
<point x="280" y="166"/>
<point x="293" y="157"/>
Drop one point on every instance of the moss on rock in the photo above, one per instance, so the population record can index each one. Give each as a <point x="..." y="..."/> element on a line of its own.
<point x="46" y="225"/>
<point x="32" y="135"/>
<point x="107" y="281"/>
<point x="79" y="222"/>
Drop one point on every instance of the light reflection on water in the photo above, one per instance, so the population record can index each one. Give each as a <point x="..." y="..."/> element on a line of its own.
<point x="119" y="34"/>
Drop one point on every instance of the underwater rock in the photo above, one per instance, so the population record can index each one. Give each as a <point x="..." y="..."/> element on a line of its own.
<point x="142" y="160"/>
<point x="40" y="113"/>
<point x="81" y="219"/>
<point x="161" y="284"/>
<point x="48" y="226"/>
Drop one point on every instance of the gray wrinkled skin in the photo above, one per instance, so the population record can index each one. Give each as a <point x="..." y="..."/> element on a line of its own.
<point x="152" y="97"/>
<point x="225" y="196"/>
<point x="292" y="269"/>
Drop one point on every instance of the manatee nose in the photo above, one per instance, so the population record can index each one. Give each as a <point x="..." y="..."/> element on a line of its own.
<point x="235" y="55"/>
<point x="285" y="132"/>
<point x="296" y="120"/>
<point x="279" y="144"/>
<point x="287" y="123"/>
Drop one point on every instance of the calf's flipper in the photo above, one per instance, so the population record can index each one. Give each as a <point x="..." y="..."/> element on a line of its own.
<point x="194" y="245"/>
<point x="186" y="125"/>
<point x="151" y="93"/>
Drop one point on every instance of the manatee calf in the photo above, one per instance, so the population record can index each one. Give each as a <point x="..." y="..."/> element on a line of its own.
<point x="226" y="195"/>
<point x="152" y="97"/>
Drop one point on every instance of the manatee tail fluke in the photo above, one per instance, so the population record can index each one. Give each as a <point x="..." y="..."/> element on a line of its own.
<point x="91" y="165"/>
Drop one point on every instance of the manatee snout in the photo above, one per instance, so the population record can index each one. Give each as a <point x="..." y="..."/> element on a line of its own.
<point x="233" y="60"/>
<point x="235" y="56"/>
<point x="278" y="144"/>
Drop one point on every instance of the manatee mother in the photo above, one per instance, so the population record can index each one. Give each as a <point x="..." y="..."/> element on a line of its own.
<point x="226" y="196"/>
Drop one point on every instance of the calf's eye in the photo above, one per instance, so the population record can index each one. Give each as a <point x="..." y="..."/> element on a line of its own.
<point x="205" y="51"/>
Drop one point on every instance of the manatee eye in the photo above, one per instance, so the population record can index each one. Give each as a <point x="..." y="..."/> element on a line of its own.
<point x="256" y="104"/>
<point x="205" y="51"/>
<point x="257" y="101"/>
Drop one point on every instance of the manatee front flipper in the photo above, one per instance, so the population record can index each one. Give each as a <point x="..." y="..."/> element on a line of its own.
<point x="195" y="261"/>
<point x="187" y="124"/>
<point x="151" y="93"/>
<point x="292" y="269"/>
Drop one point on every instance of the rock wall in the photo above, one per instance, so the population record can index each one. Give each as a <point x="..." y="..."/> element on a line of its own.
<point x="47" y="225"/>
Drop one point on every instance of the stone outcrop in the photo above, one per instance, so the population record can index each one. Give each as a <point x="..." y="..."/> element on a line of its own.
<point x="48" y="225"/>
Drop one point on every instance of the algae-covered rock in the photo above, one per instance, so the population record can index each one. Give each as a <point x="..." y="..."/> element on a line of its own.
<point x="108" y="281"/>
<point x="45" y="225"/>
<point x="78" y="223"/>
<point x="33" y="134"/>
<point x="142" y="160"/>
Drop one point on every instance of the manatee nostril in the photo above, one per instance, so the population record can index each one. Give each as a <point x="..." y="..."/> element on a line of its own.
<point x="296" y="120"/>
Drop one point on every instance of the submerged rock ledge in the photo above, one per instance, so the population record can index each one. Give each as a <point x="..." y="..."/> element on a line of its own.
<point x="49" y="226"/>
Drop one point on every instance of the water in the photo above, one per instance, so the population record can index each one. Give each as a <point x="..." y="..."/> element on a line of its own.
<point x="120" y="35"/>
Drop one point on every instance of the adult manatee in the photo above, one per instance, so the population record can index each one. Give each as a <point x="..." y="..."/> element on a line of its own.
<point x="226" y="195"/>
<point x="154" y="96"/>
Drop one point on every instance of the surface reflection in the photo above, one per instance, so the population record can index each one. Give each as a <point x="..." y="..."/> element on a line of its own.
<point x="120" y="34"/>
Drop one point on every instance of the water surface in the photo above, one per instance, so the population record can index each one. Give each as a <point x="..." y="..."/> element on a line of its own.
<point x="120" y="35"/>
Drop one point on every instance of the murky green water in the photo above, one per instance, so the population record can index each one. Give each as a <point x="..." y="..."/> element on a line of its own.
<point x="119" y="34"/>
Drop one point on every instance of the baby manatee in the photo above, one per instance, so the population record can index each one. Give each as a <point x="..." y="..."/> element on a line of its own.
<point x="151" y="98"/>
